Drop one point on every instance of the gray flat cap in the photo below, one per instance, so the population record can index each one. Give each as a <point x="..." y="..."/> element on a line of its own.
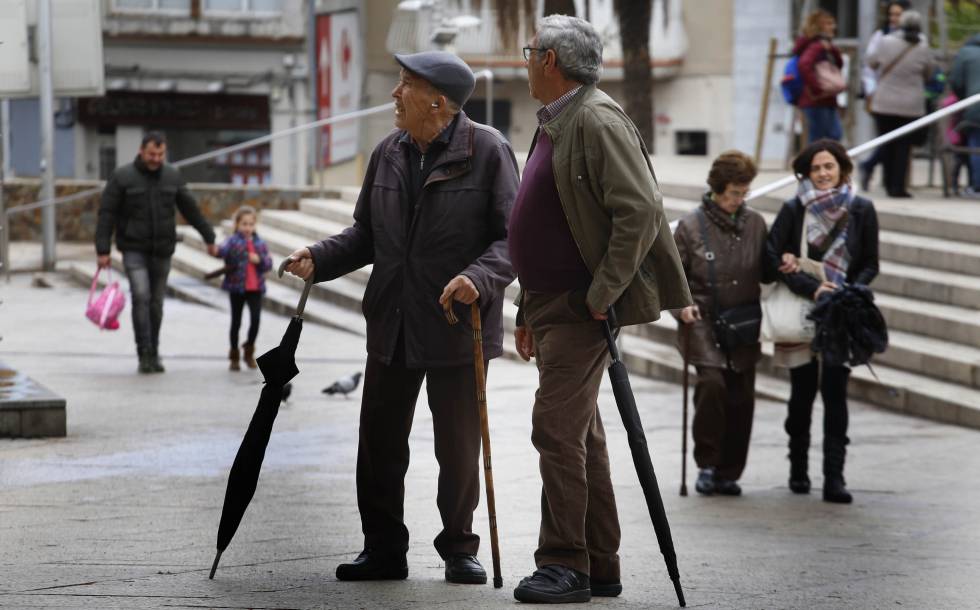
<point x="447" y="73"/>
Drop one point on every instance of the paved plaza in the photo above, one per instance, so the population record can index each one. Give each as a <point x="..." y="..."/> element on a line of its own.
<point x="122" y="513"/>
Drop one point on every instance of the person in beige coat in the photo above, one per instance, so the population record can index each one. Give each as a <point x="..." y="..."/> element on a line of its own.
<point x="722" y="246"/>
<point x="904" y="64"/>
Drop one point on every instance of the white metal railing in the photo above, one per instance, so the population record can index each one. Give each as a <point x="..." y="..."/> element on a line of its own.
<point x="860" y="149"/>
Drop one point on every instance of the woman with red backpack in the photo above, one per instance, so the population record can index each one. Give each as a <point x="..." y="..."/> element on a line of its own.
<point x="820" y="64"/>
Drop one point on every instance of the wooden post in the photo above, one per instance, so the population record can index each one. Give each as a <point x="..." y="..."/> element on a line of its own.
<point x="764" y="110"/>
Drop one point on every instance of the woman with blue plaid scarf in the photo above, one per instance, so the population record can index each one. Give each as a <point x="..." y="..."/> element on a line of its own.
<point x="842" y="235"/>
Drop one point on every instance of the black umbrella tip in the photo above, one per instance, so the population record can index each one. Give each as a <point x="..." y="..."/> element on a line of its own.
<point x="214" y="566"/>
<point x="498" y="582"/>
<point x="680" y="592"/>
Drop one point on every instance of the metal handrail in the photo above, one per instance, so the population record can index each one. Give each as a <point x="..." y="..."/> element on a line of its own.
<point x="27" y="207"/>
<point x="876" y="142"/>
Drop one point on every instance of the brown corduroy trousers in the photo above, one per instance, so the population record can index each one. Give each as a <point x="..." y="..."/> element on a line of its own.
<point x="724" y="403"/>
<point x="387" y="409"/>
<point x="579" y="522"/>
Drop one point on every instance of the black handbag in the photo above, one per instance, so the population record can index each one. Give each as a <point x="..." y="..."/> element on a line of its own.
<point x="736" y="326"/>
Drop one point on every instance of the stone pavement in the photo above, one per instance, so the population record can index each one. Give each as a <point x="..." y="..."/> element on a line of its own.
<point x="122" y="513"/>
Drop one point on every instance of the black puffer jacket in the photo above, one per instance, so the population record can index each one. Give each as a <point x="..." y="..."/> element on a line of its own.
<point x="140" y="206"/>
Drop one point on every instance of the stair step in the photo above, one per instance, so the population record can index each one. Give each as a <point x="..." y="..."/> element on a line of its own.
<point x="928" y="285"/>
<point x="336" y="210"/>
<point x="307" y="226"/>
<point x="947" y="322"/>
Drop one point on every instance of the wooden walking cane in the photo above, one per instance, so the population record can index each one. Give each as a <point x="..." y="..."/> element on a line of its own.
<point x="686" y="329"/>
<point x="481" y="398"/>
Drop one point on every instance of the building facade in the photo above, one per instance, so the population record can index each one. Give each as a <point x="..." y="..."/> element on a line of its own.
<point x="207" y="73"/>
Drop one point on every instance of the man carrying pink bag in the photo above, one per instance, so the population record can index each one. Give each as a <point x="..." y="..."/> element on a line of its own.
<point x="139" y="206"/>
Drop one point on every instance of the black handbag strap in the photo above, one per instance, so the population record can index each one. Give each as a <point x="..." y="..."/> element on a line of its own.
<point x="709" y="256"/>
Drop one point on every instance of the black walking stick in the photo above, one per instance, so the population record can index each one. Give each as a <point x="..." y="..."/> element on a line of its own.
<point x="626" y="403"/>
<point x="686" y="329"/>
<point x="481" y="399"/>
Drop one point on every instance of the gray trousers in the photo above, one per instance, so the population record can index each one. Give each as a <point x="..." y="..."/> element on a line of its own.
<point x="147" y="283"/>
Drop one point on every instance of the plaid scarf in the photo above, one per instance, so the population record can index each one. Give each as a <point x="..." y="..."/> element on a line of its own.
<point x="824" y="210"/>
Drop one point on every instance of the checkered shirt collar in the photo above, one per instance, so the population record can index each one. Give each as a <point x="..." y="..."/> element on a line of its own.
<point x="549" y="112"/>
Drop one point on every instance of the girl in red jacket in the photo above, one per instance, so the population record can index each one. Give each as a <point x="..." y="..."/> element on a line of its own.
<point x="246" y="260"/>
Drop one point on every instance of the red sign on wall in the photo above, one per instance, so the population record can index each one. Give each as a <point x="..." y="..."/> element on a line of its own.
<point x="339" y="72"/>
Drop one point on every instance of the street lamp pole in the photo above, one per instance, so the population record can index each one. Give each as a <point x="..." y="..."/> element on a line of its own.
<point x="46" y="89"/>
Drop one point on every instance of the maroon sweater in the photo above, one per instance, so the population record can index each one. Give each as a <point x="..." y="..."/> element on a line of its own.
<point x="542" y="249"/>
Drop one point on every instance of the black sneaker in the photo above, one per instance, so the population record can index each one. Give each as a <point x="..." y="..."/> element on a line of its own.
<point x="145" y="365"/>
<point x="554" y="584"/>
<point x="725" y="487"/>
<point x="373" y="565"/>
<point x="463" y="569"/>
<point x="155" y="363"/>
<point x="706" y="481"/>
<point x="606" y="589"/>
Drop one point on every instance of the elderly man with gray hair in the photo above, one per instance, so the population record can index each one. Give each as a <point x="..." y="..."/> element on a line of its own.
<point x="432" y="218"/>
<point x="587" y="233"/>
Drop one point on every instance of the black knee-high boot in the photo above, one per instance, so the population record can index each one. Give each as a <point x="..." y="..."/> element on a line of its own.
<point x="799" y="481"/>
<point x="834" y="452"/>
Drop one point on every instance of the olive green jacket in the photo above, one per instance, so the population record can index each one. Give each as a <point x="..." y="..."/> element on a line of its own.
<point x="614" y="208"/>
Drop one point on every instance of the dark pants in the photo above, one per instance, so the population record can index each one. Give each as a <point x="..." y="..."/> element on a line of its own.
<point x="895" y="154"/>
<point x="579" y="521"/>
<point x="973" y="141"/>
<point x="387" y="409"/>
<point x="822" y="122"/>
<point x="238" y="301"/>
<point x="147" y="283"/>
<point x="724" y="403"/>
<point x="833" y="389"/>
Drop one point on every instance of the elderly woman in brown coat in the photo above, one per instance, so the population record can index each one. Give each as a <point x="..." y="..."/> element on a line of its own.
<point x="722" y="247"/>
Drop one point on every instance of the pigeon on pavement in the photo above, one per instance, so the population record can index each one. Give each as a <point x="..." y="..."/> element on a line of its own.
<point x="344" y="385"/>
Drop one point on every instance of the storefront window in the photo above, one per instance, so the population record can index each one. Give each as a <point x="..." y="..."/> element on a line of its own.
<point x="243" y="6"/>
<point x="153" y="5"/>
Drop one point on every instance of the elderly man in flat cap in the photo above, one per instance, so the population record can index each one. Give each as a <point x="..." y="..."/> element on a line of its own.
<point x="432" y="218"/>
<point x="588" y="233"/>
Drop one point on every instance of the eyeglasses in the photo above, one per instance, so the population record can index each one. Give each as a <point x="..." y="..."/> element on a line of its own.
<point x="527" y="52"/>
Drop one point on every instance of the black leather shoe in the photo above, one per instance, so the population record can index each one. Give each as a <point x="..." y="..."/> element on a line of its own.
<point x="705" y="484"/>
<point x="800" y="486"/>
<point x="835" y="491"/>
<point x="372" y="565"/>
<point x="727" y="488"/>
<point x="464" y="569"/>
<point x="606" y="589"/>
<point x="554" y="584"/>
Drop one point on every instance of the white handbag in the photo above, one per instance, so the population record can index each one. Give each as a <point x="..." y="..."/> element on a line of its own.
<point x="784" y="313"/>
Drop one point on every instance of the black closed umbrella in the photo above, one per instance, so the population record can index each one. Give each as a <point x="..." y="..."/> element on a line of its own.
<point x="278" y="366"/>
<point x="626" y="403"/>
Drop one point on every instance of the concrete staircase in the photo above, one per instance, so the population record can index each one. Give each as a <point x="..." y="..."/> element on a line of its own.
<point x="928" y="290"/>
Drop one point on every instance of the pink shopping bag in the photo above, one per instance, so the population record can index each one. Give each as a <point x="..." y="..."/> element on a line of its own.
<point x="104" y="310"/>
